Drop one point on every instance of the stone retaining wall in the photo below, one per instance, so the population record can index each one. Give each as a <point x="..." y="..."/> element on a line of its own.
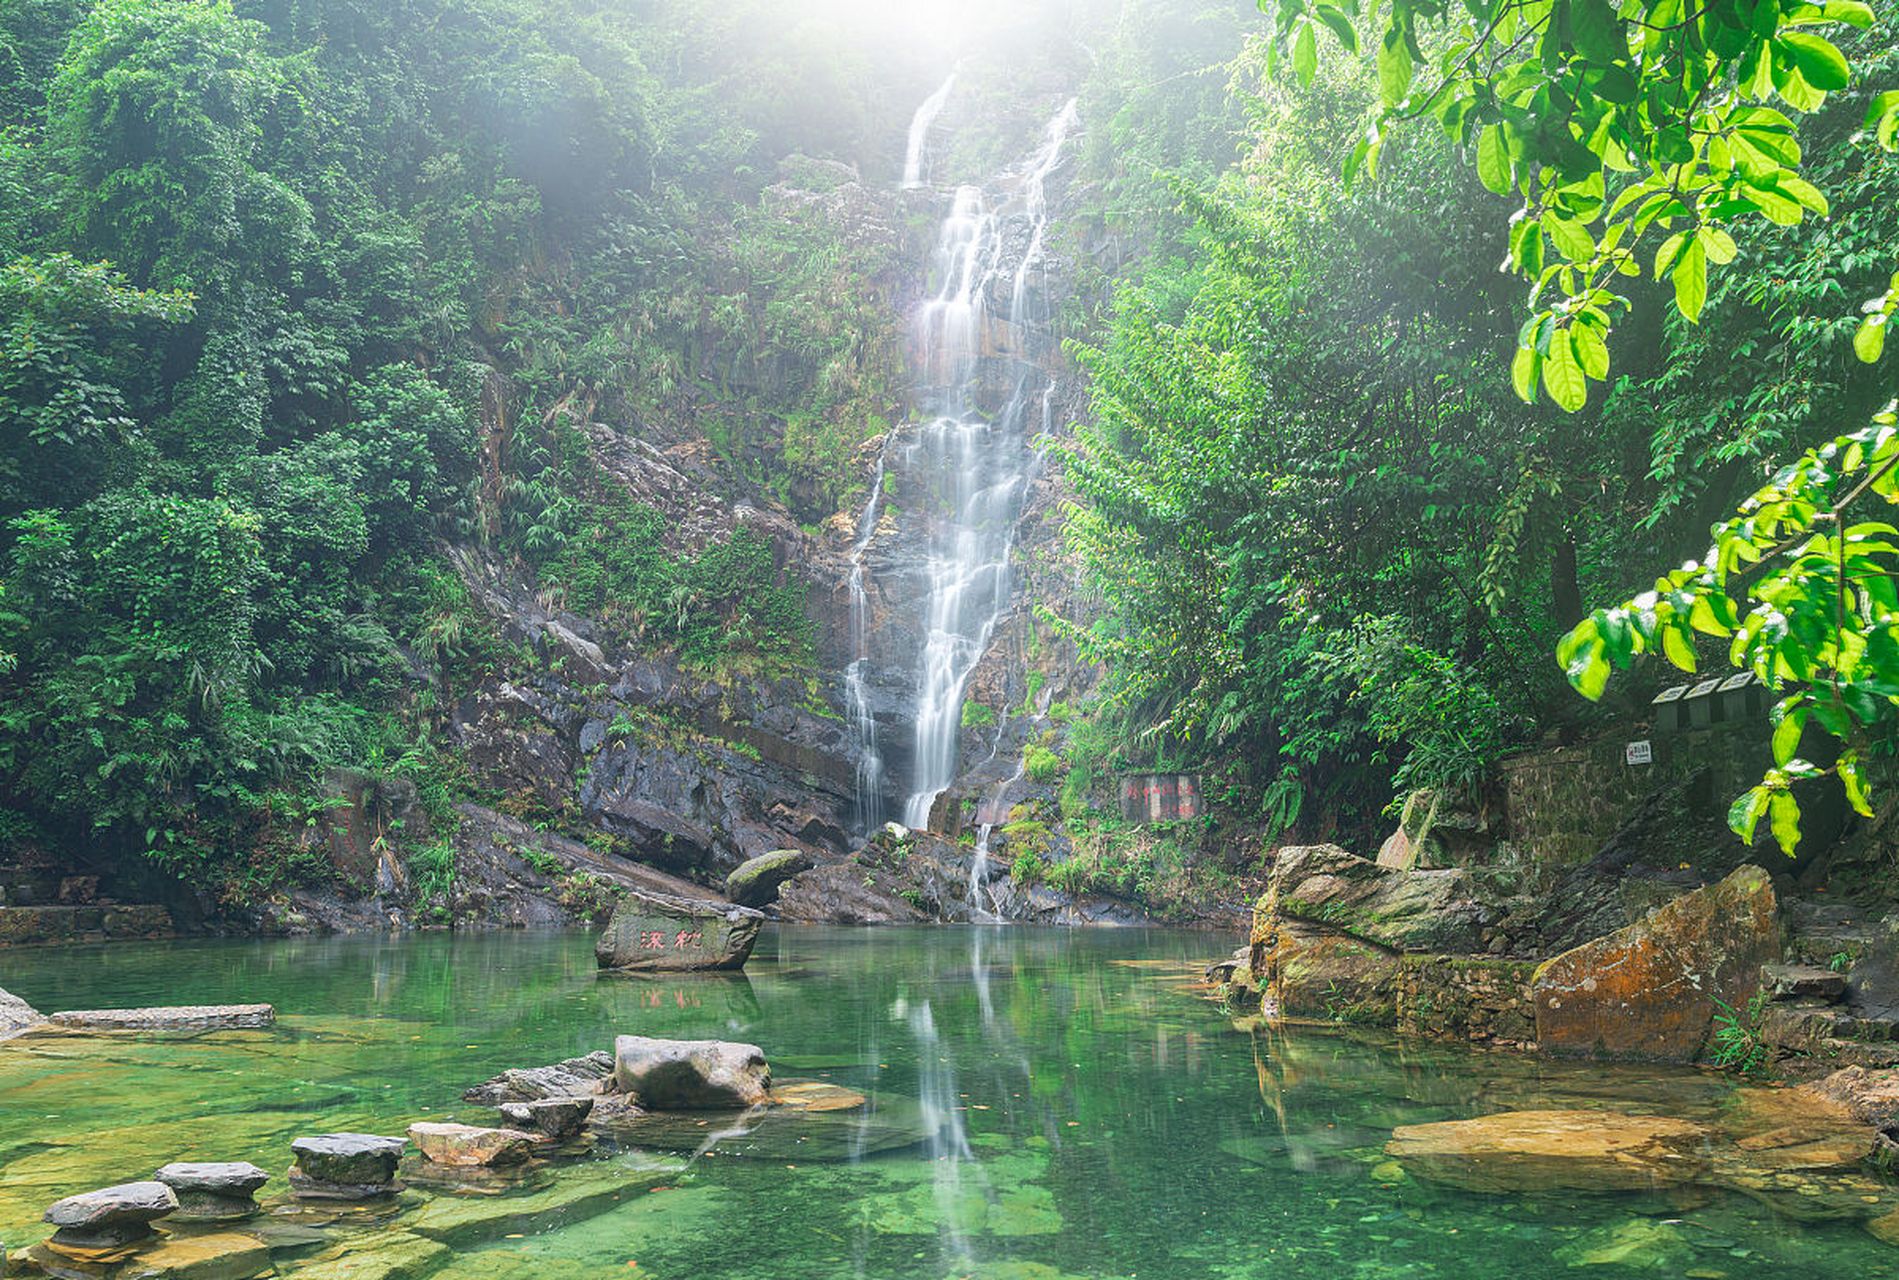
<point x="1467" y="998"/>
<point x="23" y="926"/>
<point x="1564" y="803"/>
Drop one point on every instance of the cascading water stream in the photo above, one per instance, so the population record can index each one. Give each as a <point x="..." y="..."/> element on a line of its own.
<point x="974" y="468"/>
<point x="870" y="762"/>
<point x="920" y="126"/>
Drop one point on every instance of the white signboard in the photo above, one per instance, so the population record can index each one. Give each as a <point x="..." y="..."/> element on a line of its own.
<point x="1639" y="752"/>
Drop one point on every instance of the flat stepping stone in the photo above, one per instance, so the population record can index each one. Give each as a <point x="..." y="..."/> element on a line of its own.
<point x="345" y="1166"/>
<point x="469" y="1147"/>
<point x="198" y="1017"/>
<point x="108" y="1219"/>
<point x="571" y="1195"/>
<point x="213" y="1192"/>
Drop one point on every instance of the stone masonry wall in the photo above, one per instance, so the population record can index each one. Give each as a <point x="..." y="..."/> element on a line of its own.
<point x="1564" y="803"/>
<point x="1466" y="998"/>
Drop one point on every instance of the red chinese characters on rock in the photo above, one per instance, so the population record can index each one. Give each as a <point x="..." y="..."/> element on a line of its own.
<point x="652" y="940"/>
<point x="686" y="938"/>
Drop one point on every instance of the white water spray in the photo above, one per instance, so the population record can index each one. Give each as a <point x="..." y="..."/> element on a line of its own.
<point x="974" y="469"/>
<point x="870" y="761"/>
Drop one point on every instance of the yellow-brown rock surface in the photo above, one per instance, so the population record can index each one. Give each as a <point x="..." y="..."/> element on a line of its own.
<point x="1520" y="1151"/>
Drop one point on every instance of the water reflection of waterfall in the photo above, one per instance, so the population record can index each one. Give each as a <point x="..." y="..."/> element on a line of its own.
<point x="970" y="468"/>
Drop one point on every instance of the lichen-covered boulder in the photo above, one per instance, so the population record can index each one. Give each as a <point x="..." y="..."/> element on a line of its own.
<point x="1313" y="973"/>
<point x="756" y="881"/>
<point x="1528" y="1151"/>
<point x="1430" y="911"/>
<point x="651" y="932"/>
<point x="468" y="1146"/>
<point x="1649" y="990"/>
<point x="690" y="1075"/>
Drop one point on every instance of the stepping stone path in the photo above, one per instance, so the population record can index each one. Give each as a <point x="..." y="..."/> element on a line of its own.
<point x="214" y="1192"/>
<point x="468" y="1147"/>
<point x="345" y="1166"/>
<point x="555" y="1119"/>
<point x="108" y="1220"/>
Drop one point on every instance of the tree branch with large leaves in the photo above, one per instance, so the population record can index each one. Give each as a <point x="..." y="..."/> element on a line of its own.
<point x="1634" y="133"/>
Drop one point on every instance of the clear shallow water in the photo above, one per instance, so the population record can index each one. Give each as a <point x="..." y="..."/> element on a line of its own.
<point x="1096" y="1119"/>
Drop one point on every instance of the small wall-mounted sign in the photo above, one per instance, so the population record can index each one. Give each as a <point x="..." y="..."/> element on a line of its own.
<point x="1642" y="752"/>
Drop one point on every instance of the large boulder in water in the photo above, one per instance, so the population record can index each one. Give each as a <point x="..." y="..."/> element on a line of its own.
<point x="1651" y="990"/>
<point x="1530" y="1151"/>
<point x="1312" y="973"/>
<point x="690" y="1075"/>
<point x="756" y="881"/>
<point x="468" y="1146"/>
<point x="653" y="932"/>
<point x="1427" y="911"/>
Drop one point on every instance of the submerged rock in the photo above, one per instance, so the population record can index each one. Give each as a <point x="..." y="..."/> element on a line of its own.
<point x="207" y="1017"/>
<point x="659" y="933"/>
<point x="1519" y="1151"/>
<point x="213" y="1192"/>
<point x="467" y="1146"/>
<point x="574" y="1078"/>
<point x="554" y="1119"/>
<point x="1649" y="991"/>
<point x="690" y="1075"/>
<point x="756" y="881"/>
<point x="223" y="1255"/>
<point x="111" y="1217"/>
<point x="345" y="1166"/>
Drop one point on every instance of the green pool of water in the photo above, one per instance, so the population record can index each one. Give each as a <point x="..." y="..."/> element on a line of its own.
<point x="1092" y="1118"/>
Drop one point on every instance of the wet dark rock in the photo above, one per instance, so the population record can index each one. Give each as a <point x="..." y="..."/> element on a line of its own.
<point x="345" y="1166"/>
<point x="660" y="933"/>
<point x="756" y="881"/>
<point x="555" y="1119"/>
<point x="574" y="1078"/>
<point x="110" y="1217"/>
<point x="690" y="1075"/>
<point x="213" y="1192"/>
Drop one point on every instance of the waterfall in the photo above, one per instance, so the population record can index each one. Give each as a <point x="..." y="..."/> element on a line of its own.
<point x="920" y="133"/>
<point x="870" y="762"/>
<point x="973" y="468"/>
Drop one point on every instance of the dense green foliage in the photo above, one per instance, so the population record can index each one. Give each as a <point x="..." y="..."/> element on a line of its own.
<point x="1335" y="546"/>
<point x="1621" y="126"/>
<point x="294" y="291"/>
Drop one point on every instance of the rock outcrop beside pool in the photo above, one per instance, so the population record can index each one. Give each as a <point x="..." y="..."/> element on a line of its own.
<point x="756" y="881"/>
<point x="1651" y="990"/>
